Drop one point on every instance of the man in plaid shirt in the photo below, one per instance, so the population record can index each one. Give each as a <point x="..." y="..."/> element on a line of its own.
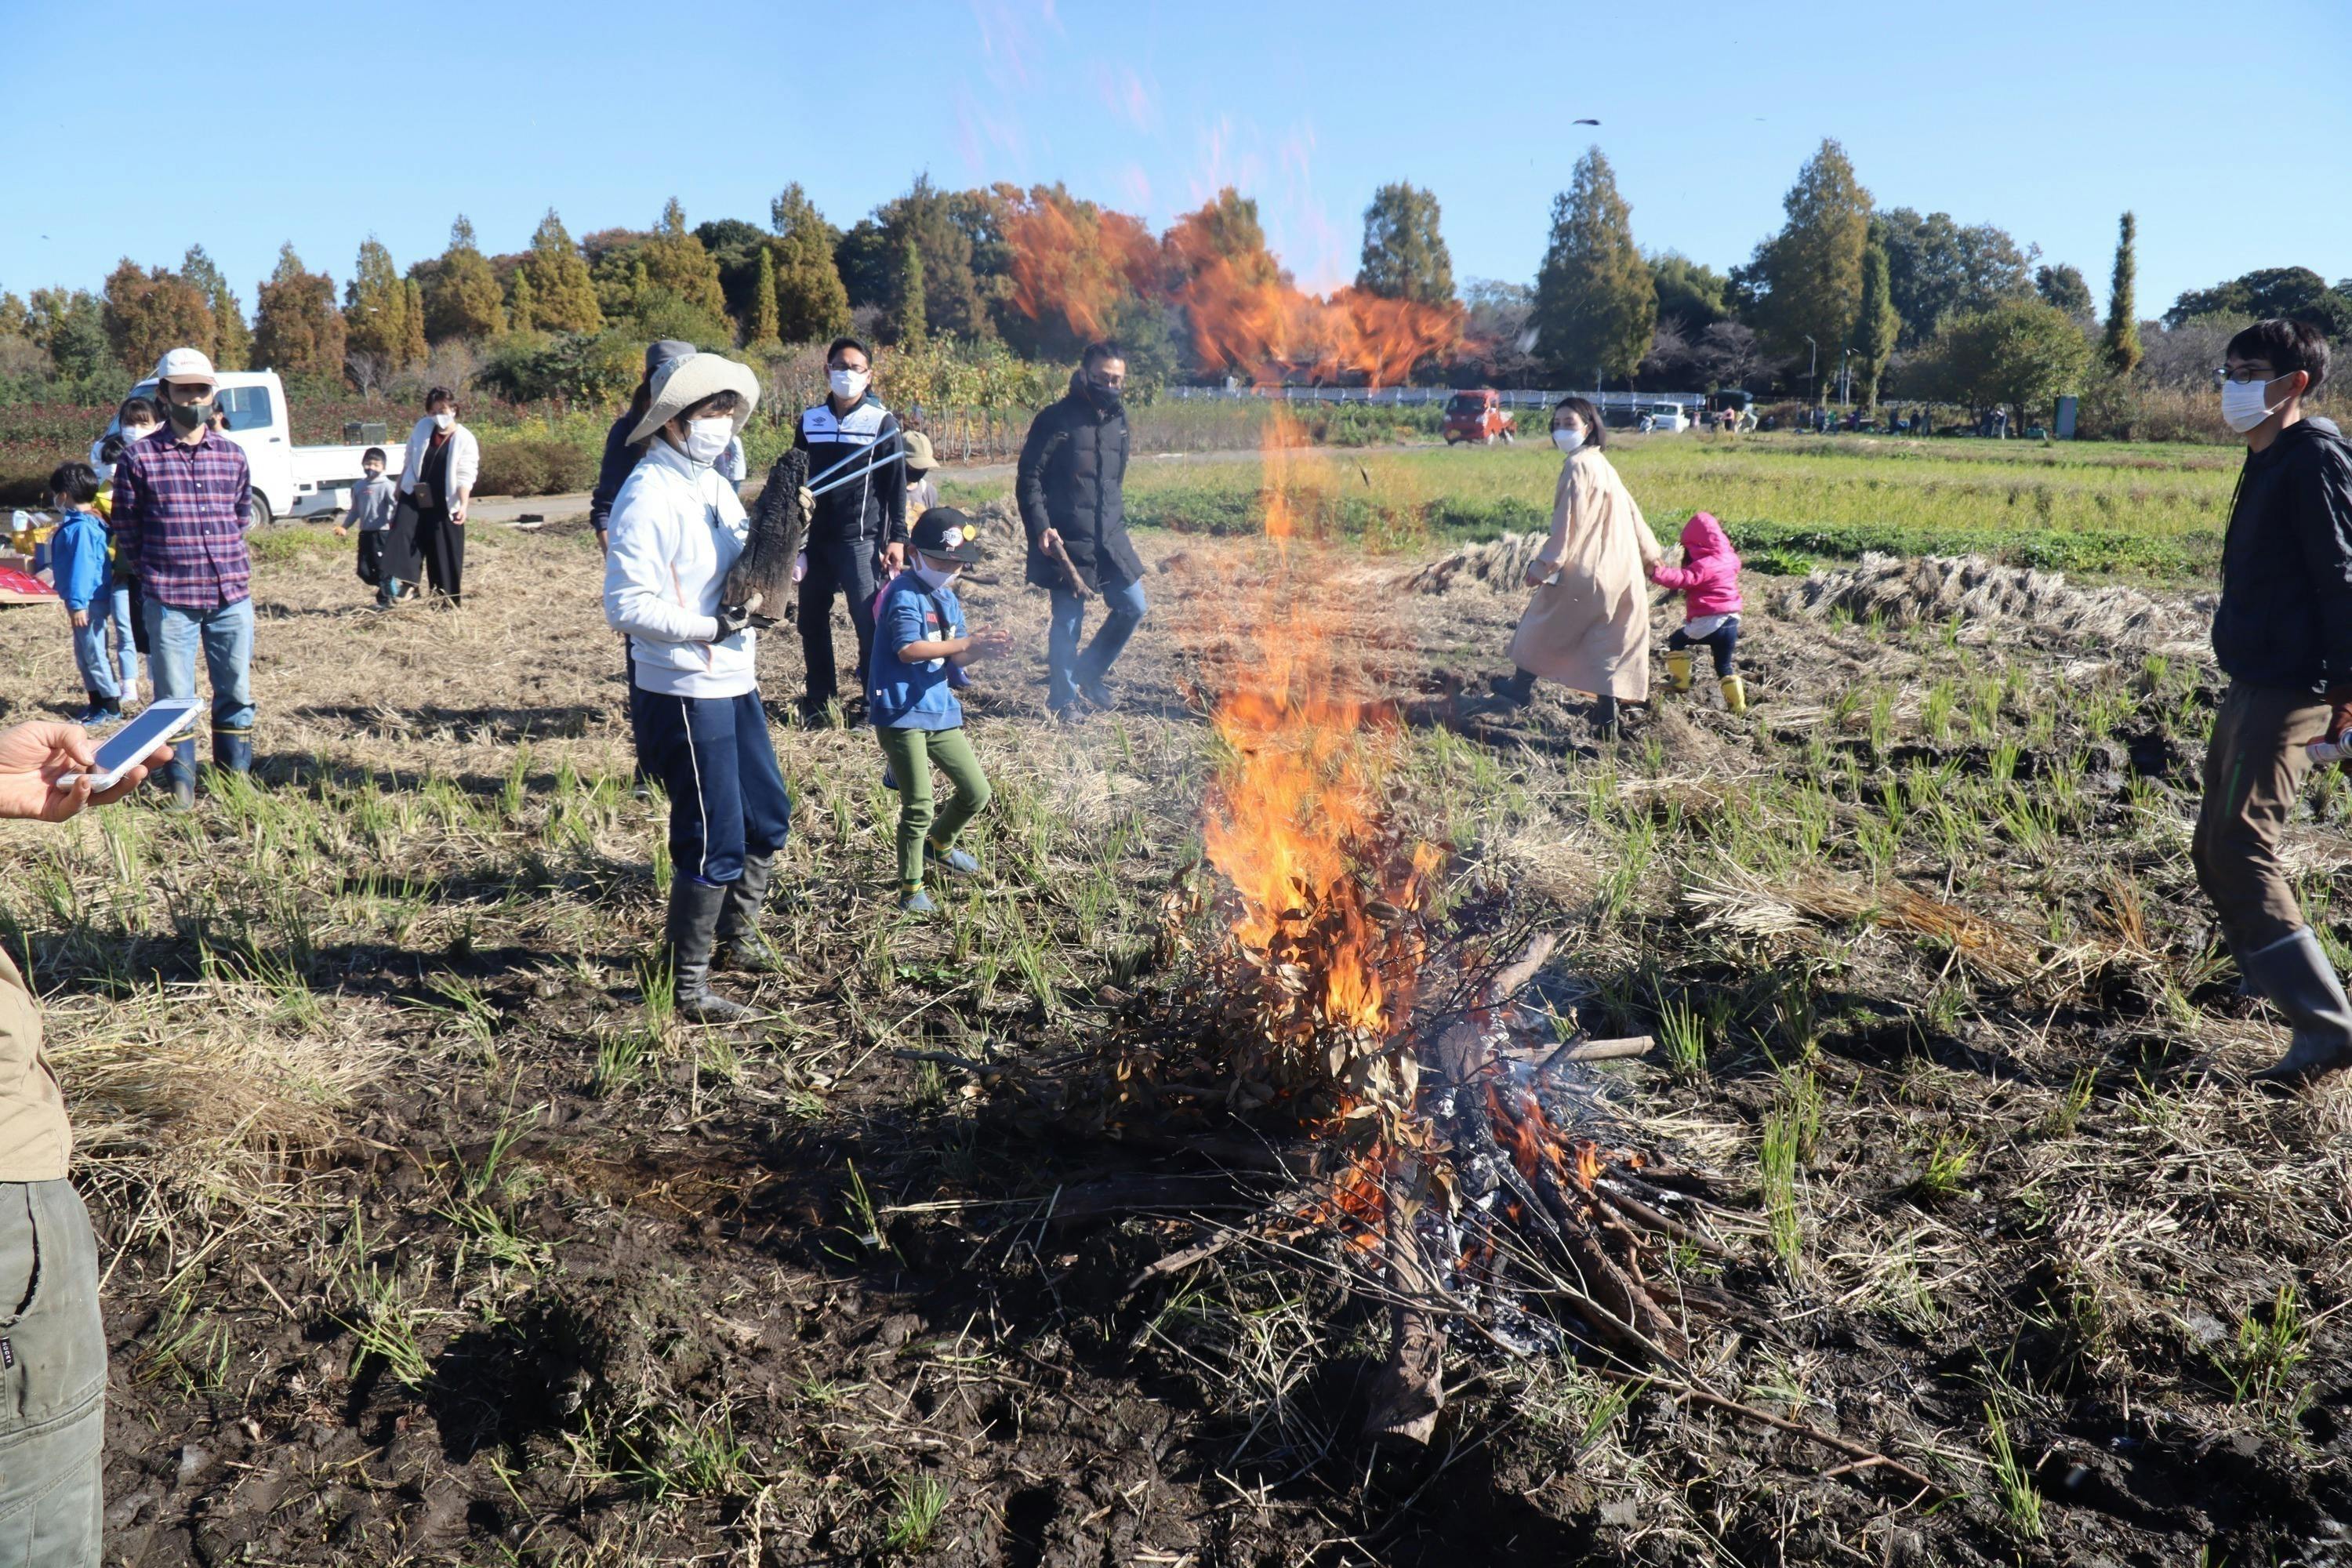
<point x="180" y="501"/>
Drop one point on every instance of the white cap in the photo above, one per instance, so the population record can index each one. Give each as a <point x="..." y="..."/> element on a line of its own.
<point x="185" y="364"/>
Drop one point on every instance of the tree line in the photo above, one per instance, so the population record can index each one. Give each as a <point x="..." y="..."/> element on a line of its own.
<point x="994" y="279"/>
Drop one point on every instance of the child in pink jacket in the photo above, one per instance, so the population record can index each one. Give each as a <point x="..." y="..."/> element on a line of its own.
<point x="1709" y="581"/>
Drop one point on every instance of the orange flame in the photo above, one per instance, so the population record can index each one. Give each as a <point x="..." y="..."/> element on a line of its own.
<point x="1076" y="262"/>
<point x="1301" y="796"/>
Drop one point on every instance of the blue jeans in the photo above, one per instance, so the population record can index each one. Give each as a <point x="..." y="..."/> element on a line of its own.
<point x="99" y="675"/>
<point x="1067" y="668"/>
<point x="225" y="632"/>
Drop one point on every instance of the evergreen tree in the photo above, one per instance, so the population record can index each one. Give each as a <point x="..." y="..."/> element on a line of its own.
<point x="411" y="348"/>
<point x="908" y="323"/>
<point x="761" y="331"/>
<point x="2121" y="348"/>
<point x="71" y="325"/>
<point x="1690" y="292"/>
<point x="562" y="296"/>
<point x="1812" y="270"/>
<point x="1596" y="304"/>
<point x="935" y="221"/>
<point x="519" y="303"/>
<point x="675" y="259"/>
<point x="376" y="319"/>
<point x="462" y="297"/>
<point x="811" y="303"/>
<point x="1878" y="328"/>
<point x="232" y="346"/>
<point x="15" y="321"/>
<point x="148" y="313"/>
<point x="2065" y="287"/>
<point x="297" y="330"/>
<point x="1404" y="255"/>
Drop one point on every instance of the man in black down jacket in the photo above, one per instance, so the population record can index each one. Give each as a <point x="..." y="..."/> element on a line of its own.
<point x="2282" y="634"/>
<point x="1072" y="466"/>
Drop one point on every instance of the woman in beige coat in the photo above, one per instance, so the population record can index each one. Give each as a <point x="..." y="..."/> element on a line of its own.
<point x="1588" y="626"/>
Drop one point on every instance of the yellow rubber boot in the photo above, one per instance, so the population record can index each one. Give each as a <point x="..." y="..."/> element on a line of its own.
<point x="1678" y="670"/>
<point x="1735" y="694"/>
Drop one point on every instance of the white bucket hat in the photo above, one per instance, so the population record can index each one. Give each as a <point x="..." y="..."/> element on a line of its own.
<point x="185" y="364"/>
<point x="683" y="383"/>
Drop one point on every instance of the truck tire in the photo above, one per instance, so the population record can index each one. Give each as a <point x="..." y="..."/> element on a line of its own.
<point x="1450" y="438"/>
<point x="261" y="515"/>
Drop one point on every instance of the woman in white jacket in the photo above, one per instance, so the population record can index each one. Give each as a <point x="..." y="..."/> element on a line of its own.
<point x="675" y="528"/>
<point x="437" y="479"/>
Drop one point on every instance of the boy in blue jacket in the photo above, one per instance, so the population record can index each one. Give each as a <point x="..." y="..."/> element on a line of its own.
<point x="85" y="581"/>
<point x="922" y="649"/>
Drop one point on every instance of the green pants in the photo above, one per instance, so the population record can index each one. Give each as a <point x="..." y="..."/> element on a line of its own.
<point x="913" y="754"/>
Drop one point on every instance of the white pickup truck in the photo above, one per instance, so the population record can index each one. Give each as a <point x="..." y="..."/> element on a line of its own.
<point x="288" y="480"/>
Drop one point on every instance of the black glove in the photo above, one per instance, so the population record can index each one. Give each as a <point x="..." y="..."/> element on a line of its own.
<point x="732" y="619"/>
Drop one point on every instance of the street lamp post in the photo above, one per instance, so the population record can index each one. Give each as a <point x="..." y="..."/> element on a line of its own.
<point x="1845" y="379"/>
<point x="1813" y="363"/>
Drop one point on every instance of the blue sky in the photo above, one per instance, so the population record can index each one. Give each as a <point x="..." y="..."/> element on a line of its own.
<point x="2048" y="120"/>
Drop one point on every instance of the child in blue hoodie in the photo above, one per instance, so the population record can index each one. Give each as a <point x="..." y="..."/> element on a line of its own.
<point x="921" y="648"/>
<point x="85" y="581"/>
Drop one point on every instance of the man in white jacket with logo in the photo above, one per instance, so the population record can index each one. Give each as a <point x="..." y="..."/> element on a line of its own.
<point x="675" y="528"/>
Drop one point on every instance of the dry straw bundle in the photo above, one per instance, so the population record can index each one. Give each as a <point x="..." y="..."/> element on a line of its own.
<point x="1902" y="591"/>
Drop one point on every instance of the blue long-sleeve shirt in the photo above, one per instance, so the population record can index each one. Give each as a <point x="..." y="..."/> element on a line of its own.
<point x="78" y="560"/>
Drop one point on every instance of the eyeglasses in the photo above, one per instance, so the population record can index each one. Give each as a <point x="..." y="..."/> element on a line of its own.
<point x="2244" y="374"/>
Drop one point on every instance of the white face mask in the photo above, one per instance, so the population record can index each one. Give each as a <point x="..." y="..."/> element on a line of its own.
<point x="137" y="432"/>
<point x="932" y="577"/>
<point x="708" y="439"/>
<point x="1568" y="437"/>
<point x="442" y="421"/>
<point x="848" y="384"/>
<point x="2243" y="404"/>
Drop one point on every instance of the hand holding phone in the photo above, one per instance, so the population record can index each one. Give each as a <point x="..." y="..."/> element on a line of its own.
<point x="136" y="742"/>
<point x="44" y="771"/>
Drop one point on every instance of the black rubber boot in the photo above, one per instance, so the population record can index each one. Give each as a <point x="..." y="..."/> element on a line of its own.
<point x="693" y="910"/>
<point x="2294" y="973"/>
<point x="739" y="946"/>
<point x="1516" y="687"/>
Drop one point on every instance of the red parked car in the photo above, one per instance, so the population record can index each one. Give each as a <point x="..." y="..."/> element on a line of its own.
<point x="1479" y="417"/>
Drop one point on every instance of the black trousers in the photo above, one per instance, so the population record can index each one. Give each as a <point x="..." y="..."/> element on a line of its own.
<point x="443" y="545"/>
<point x="1723" y="642"/>
<point x="842" y="567"/>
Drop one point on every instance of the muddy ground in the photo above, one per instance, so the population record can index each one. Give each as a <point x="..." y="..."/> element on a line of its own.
<point x="425" y="1245"/>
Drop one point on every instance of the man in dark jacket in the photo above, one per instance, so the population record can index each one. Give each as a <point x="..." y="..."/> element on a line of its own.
<point x="2282" y="634"/>
<point x="1072" y="466"/>
<point x="857" y="526"/>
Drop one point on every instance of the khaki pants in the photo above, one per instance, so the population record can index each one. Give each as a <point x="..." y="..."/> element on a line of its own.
<point x="52" y="1378"/>
<point x="913" y="754"/>
<point x="2254" y="771"/>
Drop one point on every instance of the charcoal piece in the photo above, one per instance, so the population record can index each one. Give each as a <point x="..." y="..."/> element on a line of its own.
<point x="761" y="577"/>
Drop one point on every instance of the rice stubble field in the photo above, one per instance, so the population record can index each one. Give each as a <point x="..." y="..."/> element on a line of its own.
<point x="431" y="1236"/>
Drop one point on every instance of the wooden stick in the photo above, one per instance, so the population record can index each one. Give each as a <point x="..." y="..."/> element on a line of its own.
<point x="1828" y="1440"/>
<point x="1599" y="1051"/>
<point x="1070" y="569"/>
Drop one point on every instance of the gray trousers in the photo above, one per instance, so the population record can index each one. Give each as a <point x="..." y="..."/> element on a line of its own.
<point x="52" y="1379"/>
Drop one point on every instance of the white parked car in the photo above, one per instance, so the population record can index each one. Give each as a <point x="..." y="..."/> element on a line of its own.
<point x="1666" y="417"/>
<point x="288" y="480"/>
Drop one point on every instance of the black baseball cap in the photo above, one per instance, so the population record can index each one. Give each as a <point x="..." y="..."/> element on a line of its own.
<point x="945" y="532"/>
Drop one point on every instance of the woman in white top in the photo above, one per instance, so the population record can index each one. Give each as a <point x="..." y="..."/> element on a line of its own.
<point x="675" y="528"/>
<point x="436" y="481"/>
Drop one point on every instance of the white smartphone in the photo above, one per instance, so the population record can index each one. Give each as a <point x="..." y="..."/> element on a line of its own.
<point x="159" y="722"/>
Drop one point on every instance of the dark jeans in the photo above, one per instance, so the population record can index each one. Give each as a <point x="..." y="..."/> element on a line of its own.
<point x="2254" y="771"/>
<point x="52" y="1377"/>
<point x="1722" y="642"/>
<point x="727" y="795"/>
<point x="842" y="567"/>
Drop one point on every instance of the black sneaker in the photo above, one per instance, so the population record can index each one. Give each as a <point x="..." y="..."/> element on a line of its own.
<point x="1098" y="695"/>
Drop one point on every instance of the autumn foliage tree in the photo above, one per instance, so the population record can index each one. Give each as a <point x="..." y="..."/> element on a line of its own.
<point x="1077" y="269"/>
<point x="462" y="297"/>
<point x="378" y="320"/>
<point x="147" y="313"/>
<point x="297" y="330"/>
<point x="676" y="260"/>
<point x="563" y="296"/>
<point x="232" y="344"/>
